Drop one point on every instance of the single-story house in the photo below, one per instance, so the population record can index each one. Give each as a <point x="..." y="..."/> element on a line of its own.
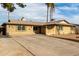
<point x="20" y="27"/>
<point x="1" y="30"/>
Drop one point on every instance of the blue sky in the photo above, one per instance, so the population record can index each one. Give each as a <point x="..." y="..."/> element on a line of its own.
<point x="37" y="12"/>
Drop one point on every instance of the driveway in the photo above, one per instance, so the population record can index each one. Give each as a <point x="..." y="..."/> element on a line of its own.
<point x="38" y="45"/>
<point x="44" y="45"/>
<point x="9" y="47"/>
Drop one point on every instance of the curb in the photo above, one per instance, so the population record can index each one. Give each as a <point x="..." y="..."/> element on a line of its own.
<point x="66" y="38"/>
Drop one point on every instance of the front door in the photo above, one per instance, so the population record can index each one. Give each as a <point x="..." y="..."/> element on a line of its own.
<point x="39" y="29"/>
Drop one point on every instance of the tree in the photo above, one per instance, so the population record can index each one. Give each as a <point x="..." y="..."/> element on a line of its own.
<point x="50" y="10"/>
<point x="11" y="7"/>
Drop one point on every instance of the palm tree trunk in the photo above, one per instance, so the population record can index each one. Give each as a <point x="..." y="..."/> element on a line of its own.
<point x="52" y="12"/>
<point x="50" y="9"/>
<point x="48" y="14"/>
<point x="8" y="15"/>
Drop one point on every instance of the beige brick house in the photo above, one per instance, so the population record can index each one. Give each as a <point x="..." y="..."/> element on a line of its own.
<point x="19" y="27"/>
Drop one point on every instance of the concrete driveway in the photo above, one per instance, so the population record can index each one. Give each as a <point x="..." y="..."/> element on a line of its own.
<point x="9" y="47"/>
<point x="38" y="45"/>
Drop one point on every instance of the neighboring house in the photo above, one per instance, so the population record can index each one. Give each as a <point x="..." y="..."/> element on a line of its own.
<point x="19" y="27"/>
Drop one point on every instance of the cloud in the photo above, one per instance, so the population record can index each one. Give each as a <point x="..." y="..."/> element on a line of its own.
<point x="38" y="12"/>
<point x="75" y="19"/>
<point x="32" y="11"/>
<point x="71" y="19"/>
<point x="59" y="16"/>
<point x="68" y="8"/>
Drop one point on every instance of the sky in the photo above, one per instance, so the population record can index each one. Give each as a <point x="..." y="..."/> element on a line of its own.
<point x="37" y="12"/>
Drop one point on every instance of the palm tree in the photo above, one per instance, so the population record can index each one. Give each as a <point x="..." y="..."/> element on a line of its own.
<point x="50" y="9"/>
<point x="11" y="7"/>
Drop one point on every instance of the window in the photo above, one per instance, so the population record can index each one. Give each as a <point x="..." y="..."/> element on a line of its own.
<point x="60" y="27"/>
<point x="72" y="28"/>
<point x="35" y="28"/>
<point x="21" y="27"/>
<point x="50" y="27"/>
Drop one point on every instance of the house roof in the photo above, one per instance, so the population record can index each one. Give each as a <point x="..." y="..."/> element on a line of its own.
<point x="24" y="22"/>
<point x="58" y="23"/>
<point x="1" y="26"/>
<point x="38" y="23"/>
<point x="76" y="24"/>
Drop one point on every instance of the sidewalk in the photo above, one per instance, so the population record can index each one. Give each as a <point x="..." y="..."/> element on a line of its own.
<point x="68" y="37"/>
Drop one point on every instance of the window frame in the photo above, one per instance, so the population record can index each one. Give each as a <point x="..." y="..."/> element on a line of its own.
<point x="59" y="27"/>
<point x="35" y="28"/>
<point x="21" y="27"/>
